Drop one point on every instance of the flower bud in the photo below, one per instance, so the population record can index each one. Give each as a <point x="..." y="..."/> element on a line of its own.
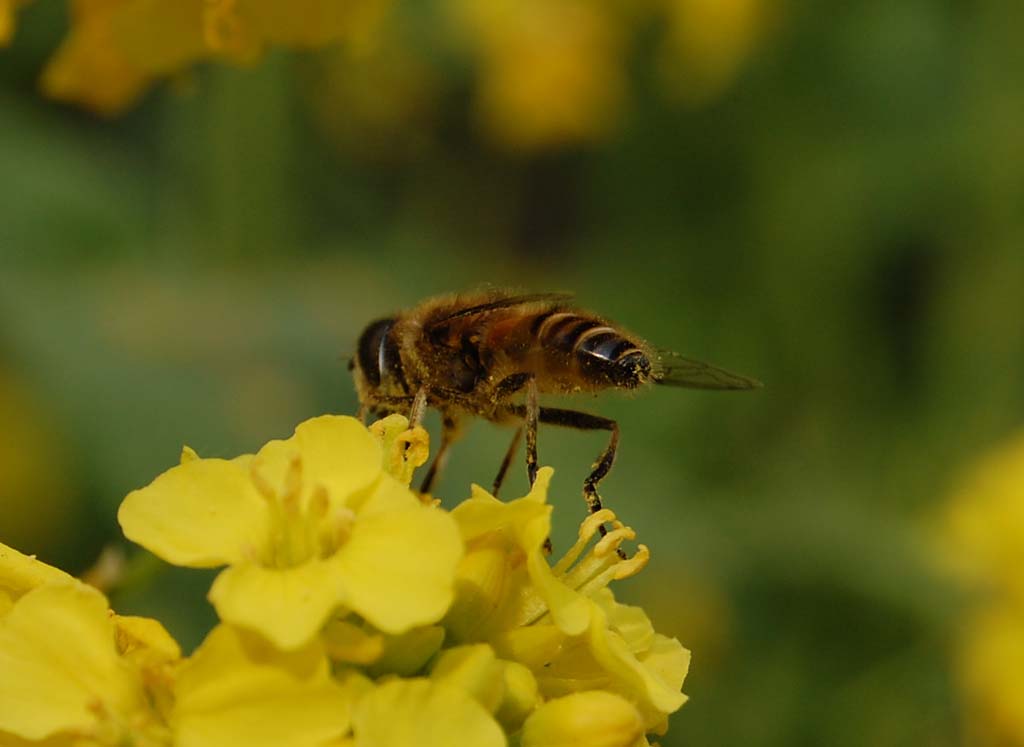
<point x="587" y="719"/>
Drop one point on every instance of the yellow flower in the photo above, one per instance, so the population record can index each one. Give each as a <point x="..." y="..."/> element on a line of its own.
<point x="551" y="71"/>
<point x="334" y="605"/>
<point x="63" y="674"/>
<point x="7" y="10"/>
<point x="242" y="29"/>
<point x="117" y="49"/>
<point x="982" y="542"/>
<point x="561" y="622"/>
<point x="586" y="719"/>
<point x="990" y="668"/>
<point x="707" y="43"/>
<point x="983" y="531"/>
<point x="308" y="526"/>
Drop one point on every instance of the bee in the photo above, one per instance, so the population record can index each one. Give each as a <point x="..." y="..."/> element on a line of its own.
<point x="491" y="354"/>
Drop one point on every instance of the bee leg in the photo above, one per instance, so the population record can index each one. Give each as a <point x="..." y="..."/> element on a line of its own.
<point x="532" y="415"/>
<point x="509" y="455"/>
<point x="419" y="407"/>
<point x="449" y="433"/>
<point x="586" y="422"/>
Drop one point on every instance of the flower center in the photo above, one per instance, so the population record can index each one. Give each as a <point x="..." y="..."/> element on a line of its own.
<point x="303" y="525"/>
<point x="139" y="728"/>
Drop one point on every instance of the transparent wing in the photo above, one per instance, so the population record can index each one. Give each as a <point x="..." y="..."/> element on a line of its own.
<point x="675" y="370"/>
<point x="504" y="302"/>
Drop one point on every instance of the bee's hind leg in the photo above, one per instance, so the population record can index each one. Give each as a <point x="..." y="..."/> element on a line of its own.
<point x="580" y="421"/>
<point x="586" y="422"/>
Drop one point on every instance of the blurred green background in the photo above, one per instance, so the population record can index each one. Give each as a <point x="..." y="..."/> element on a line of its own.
<point x="829" y="199"/>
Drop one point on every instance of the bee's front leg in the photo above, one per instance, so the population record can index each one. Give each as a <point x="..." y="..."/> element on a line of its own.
<point x="419" y="407"/>
<point x="532" y="416"/>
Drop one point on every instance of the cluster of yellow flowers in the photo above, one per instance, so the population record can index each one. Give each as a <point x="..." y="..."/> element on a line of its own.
<point x="548" y="72"/>
<point x="983" y="541"/>
<point x="353" y="612"/>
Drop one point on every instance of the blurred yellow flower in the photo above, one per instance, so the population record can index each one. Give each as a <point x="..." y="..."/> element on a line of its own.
<point x="243" y="29"/>
<point x="990" y="666"/>
<point x="116" y="49"/>
<point x="550" y="71"/>
<point x="982" y="542"/>
<point x="39" y="505"/>
<point x="984" y="522"/>
<point x="7" y="10"/>
<point x="706" y="43"/>
<point x="308" y="526"/>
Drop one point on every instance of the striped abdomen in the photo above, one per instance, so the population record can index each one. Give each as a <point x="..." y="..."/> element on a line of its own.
<point x="602" y="355"/>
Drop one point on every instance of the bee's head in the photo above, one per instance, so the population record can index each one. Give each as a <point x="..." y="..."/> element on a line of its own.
<point x="377" y="364"/>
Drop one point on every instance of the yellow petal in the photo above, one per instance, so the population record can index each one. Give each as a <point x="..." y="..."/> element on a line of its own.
<point x="587" y="719"/>
<point x="398" y="568"/>
<point x="535" y="645"/>
<point x="483" y="588"/>
<point x="145" y="641"/>
<point x="667" y="660"/>
<point x="474" y="669"/>
<point x="528" y="520"/>
<point x="288" y="605"/>
<point x="569" y="609"/>
<point x="419" y="712"/>
<point x="20" y="573"/>
<point x="202" y="514"/>
<point x="234" y="691"/>
<point x="59" y="663"/>
<point x="631" y="677"/>
<point x="386" y="495"/>
<point x="631" y="622"/>
<point x="337" y="454"/>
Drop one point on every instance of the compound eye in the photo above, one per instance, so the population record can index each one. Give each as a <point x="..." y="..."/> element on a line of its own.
<point x="369" y="349"/>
